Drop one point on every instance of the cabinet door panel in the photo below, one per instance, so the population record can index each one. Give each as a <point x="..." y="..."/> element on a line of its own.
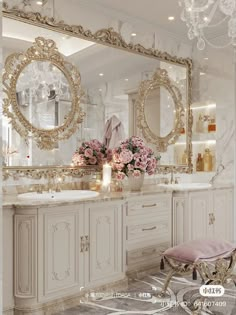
<point x="61" y="265"/>
<point x="199" y="225"/>
<point x="105" y="236"/>
<point x="223" y="214"/>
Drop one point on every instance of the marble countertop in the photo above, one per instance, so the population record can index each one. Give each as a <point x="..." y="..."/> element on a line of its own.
<point x="13" y="201"/>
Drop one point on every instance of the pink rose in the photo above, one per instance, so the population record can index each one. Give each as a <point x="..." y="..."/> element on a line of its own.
<point x="136" y="173"/>
<point x="120" y="176"/>
<point x="116" y="157"/>
<point x="92" y="160"/>
<point x="119" y="166"/>
<point x="88" y="153"/>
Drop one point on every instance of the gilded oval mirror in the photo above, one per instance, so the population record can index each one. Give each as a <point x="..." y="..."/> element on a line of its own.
<point x="43" y="94"/>
<point x="160" y="112"/>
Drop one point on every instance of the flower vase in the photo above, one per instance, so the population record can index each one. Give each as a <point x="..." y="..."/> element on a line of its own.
<point x="135" y="183"/>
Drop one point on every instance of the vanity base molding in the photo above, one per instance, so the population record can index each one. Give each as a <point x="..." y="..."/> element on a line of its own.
<point x="64" y="303"/>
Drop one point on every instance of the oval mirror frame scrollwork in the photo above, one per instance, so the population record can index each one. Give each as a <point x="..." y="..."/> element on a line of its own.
<point x="159" y="79"/>
<point x="41" y="50"/>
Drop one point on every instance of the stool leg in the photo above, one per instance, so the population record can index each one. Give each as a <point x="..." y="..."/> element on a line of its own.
<point x="167" y="281"/>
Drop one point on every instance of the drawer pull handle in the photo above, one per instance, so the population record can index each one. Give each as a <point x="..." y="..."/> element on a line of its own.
<point x="150" y="229"/>
<point x="146" y="206"/>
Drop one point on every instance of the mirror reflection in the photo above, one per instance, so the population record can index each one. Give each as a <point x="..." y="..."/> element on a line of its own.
<point x="159" y="111"/>
<point x="45" y="99"/>
<point x="110" y="79"/>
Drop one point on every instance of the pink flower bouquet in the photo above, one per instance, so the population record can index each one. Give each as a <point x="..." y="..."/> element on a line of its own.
<point x="133" y="157"/>
<point x="92" y="153"/>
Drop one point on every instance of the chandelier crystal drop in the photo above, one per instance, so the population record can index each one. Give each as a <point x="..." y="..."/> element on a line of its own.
<point x="200" y="15"/>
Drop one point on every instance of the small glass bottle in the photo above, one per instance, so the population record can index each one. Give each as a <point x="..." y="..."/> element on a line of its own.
<point x="199" y="163"/>
<point x="212" y="125"/>
<point x="207" y="161"/>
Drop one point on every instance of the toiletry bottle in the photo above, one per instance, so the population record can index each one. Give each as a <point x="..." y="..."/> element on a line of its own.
<point x="212" y="125"/>
<point x="199" y="126"/>
<point x="199" y="163"/>
<point x="207" y="161"/>
<point x="185" y="158"/>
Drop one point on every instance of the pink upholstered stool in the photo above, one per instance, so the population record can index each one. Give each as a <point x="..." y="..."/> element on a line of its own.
<point x="193" y="257"/>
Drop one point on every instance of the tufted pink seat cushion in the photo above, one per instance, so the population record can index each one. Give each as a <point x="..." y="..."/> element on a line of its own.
<point x="193" y="251"/>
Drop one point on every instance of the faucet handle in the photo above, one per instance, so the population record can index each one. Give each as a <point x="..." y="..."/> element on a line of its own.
<point x="176" y="180"/>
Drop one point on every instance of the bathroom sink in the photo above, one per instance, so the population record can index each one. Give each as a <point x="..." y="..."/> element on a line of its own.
<point x="57" y="196"/>
<point x="186" y="186"/>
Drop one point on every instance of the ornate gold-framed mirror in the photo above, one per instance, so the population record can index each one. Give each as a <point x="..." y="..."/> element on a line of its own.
<point x="108" y="46"/>
<point x="160" y="124"/>
<point x="34" y="82"/>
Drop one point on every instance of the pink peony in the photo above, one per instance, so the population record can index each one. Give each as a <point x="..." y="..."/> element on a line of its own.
<point x="126" y="156"/>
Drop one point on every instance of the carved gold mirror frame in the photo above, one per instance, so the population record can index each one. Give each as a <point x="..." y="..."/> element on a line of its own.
<point x="113" y="39"/>
<point x="159" y="79"/>
<point x="41" y="50"/>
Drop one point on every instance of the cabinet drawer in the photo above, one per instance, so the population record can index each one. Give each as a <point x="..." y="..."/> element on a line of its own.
<point x="148" y="204"/>
<point x="158" y="228"/>
<point x="146" y="254"/>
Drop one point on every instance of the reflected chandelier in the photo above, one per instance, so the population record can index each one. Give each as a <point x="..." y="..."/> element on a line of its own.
<point x="205" y="14"/>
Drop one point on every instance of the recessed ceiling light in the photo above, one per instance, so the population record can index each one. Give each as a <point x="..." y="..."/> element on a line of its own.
<point x="100" y="90"/>
<point x="39" y="2"/>
<point x="205" y="18"/>
<point x="206" y="58"/>
<point x="133" y="34"/>
<point x="101" y="74"/>
<point x="202" y="73"/>
<point x="171" y="18"/>
<point x="126" y="79"/>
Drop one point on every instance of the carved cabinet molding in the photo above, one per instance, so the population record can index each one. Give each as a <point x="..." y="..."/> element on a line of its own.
<point x="25" y="252"/>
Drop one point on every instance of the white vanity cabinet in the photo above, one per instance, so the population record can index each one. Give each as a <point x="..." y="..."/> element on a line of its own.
<point x="61" y="250"/>
<point x="148" y="230"/>
<point x="203" y="214"/>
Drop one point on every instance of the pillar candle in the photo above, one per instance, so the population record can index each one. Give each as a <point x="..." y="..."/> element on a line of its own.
<point x="106" y="174"/>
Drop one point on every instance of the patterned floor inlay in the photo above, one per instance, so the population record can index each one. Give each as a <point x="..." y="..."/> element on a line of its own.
<point x="140" y="299"/>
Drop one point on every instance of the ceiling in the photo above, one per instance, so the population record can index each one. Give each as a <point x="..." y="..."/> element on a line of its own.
<point x="150" y="11"/>
<point x="155" y="13"/>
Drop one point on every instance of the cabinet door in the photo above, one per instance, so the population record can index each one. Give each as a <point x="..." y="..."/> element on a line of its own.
<point x="103" y="257"/>
<point x="223" y="214"/>
<point x="59" y="253"/>
<point x="200" y="205"/>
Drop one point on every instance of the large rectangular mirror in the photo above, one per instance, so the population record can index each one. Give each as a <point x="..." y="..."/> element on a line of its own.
<point x="110" y="76"/>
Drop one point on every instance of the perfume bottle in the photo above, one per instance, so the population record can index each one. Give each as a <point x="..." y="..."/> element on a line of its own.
<point x="207" y="161"/>
<point x="199" y="163"/>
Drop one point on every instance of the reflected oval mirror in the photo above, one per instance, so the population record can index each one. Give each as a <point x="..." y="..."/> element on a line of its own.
<point x="43" y="93"/>
<point x="159" y="111"/>
<point x="45" y="99"/>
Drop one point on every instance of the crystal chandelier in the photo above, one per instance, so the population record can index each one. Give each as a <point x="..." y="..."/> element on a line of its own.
<point x="202" y="15"/>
